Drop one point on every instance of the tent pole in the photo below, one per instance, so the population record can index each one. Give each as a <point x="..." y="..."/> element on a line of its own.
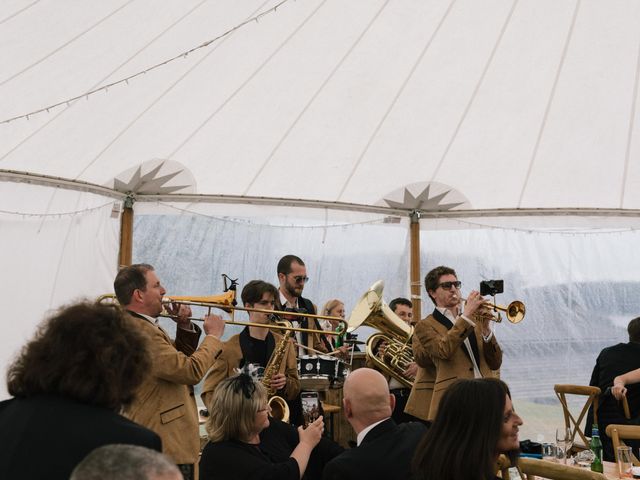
<point x="414" y="270"/>
<point x="126" y="232"/>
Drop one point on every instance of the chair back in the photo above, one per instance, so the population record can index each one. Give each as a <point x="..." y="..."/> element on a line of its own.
<point x="532" y="467"/>
<point x="591" y="394"/>
<point x="619" y="433"/>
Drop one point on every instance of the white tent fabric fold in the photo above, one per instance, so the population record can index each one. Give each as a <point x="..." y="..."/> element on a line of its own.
<point x="289" y="123"/>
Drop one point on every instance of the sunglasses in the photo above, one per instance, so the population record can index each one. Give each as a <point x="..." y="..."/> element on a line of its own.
<point x="448" y="285"/>
<point x="301" y="279"/>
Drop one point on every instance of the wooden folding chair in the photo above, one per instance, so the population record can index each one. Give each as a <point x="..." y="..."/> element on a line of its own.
<point x="532" y="467"/>
<point x="619" y="433"/>
<point x="592" y="394"/>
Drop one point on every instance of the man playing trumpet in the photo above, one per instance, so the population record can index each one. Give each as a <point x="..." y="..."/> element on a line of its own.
<point x="451" y="343"/>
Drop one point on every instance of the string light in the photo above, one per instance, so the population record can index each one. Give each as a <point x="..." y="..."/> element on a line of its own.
<point x="182" y="55"/>
<point x="59" y="214"/>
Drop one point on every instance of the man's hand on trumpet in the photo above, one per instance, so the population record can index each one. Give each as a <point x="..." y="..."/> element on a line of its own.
<point x="472" y="308"/>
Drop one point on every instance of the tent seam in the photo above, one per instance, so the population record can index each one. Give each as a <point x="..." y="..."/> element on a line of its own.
<point x="66" y="44"/>
<point x="474" y="94"/>
<point x="314" y="96"/>
<point x="545" y="116"/>
<point x="395" y="99"/>
<point x="627" y="154"/>
<point x="18" y="12"/>
<point x="96" y="84"/>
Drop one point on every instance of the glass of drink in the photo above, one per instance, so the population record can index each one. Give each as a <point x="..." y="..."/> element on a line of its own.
<point x="625" y="465"/>
<point x="549" y="452"/>
<point x="563" y="441"/>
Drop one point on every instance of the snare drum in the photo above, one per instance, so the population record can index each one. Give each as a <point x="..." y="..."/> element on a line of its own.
<point x="309" y="366"/>
<point x="328" y="366"/>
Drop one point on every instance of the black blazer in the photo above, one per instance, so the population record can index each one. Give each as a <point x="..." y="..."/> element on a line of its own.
<point x="46" y="436"/>
<point x="386" y="452"/>
<point x="612" y="362"/>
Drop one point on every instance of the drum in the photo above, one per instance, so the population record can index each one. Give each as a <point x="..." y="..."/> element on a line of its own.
<point x="328" y="366"/>
<point x="309" y="366"/>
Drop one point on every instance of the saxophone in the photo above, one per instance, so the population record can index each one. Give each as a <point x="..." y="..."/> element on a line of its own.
<point x="278" y="405"/>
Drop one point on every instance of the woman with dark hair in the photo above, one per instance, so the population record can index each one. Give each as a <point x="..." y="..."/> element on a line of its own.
<point x="475" y="423"/>
<point x="239" y="413"/>
<point x="69" y="384"/>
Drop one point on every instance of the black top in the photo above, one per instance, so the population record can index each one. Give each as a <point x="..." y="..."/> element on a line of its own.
<point x="46" y="436"/>
<point x="234" y="460"/>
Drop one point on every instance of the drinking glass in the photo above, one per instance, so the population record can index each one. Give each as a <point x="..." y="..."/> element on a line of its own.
<point x="563" y="441"/>
<point x="549" y="452"/>
<point x="625" y="465"/>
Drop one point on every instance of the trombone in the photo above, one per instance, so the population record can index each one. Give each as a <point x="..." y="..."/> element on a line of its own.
<point x="226" y="302"/>
<point x="515" y="311"/>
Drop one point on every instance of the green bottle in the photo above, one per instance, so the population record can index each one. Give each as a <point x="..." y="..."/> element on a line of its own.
<point x="596" y="447"/>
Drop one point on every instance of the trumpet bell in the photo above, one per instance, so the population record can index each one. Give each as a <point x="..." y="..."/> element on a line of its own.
<point x="515" y="311"/>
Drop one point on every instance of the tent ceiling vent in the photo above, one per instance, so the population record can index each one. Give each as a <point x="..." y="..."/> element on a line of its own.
<point x="155" y="177"/>
<point x="426" y="197"/>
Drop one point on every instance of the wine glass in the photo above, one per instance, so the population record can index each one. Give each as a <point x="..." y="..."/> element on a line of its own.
<point x="563" y="440"/>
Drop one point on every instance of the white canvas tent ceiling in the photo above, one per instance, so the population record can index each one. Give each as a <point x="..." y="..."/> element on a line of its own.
<point x="517" y="105"/>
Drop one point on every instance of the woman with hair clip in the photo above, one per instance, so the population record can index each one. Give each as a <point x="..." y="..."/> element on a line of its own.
<point x="239" y="412"/>
<point x="475" y="423"/>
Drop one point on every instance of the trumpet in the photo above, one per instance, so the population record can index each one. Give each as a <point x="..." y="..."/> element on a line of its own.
<point x="515" y="311"/>
<point x="226" y="302"/>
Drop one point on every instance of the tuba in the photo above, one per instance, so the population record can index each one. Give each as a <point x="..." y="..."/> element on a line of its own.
<point x="372" y="311"/>
<point x="278" y="405"/>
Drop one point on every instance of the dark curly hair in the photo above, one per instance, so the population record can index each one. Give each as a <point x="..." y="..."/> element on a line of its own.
<point x="432" y="278"/>
<point x="86" y="352"/>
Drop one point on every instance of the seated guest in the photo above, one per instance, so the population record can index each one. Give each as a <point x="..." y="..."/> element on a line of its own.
<point x="125" y="462"/>
<point x="384" y="449"/>
<point x="475" y="423"/>
<point x="611" y="364"/>
<point x="239" y="412"/>
<point x="69" y="383"/>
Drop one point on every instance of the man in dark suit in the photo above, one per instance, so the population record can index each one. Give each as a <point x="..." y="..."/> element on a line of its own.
<point x="612" y="362"/>
<point x="385" y="449"/>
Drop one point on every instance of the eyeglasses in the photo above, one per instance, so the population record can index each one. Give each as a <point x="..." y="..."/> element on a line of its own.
<point x="266" y="408"/>
<point x="301" y="279"/>
<point x="448" y="285"/>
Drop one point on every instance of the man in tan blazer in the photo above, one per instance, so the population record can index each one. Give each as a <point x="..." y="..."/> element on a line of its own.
<point x="254" y="346"/>
<point x="164" y="403"/>
<point x="449" y="345"/>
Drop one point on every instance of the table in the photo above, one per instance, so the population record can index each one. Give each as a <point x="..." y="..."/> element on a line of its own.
<point x="529" y="464"/>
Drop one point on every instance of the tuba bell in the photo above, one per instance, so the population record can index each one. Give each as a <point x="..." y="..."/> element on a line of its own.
<point x="372" y="311"/>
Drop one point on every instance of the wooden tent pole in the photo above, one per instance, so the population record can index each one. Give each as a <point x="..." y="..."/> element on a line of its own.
<point x="414" y="269"/>
<point x="126" y="233"/>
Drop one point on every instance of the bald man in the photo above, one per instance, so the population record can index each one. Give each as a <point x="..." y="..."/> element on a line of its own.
<point x="385" y="449"/>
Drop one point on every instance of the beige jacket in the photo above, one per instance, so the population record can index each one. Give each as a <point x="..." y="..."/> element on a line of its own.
<point x="164" y="403"/>
<point x="442" y="359"/>
<point x="230" y="358"/>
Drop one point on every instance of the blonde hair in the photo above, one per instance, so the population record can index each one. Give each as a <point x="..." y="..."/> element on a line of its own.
<point x="232" y="413"/>
<point x="330" y="305"/>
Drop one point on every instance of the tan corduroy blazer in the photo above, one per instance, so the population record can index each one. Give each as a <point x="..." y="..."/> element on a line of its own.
<point x="442" y="359"/>
<point x="164" y="403"/>
<point x="229" y="361"/>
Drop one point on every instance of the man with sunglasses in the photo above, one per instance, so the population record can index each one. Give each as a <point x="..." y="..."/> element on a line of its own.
<point x="449" y="344"/>
<point x="292" y="277"/>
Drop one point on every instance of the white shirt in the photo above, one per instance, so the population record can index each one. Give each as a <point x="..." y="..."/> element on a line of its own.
<point x="298" y="335"/>
<point x="364" y="432"/>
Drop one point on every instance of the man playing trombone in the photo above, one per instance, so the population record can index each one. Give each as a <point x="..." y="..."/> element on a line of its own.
<point x="450" y="343"/>
<point x="253" y="347"/>
<point x="164" y="403"/>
